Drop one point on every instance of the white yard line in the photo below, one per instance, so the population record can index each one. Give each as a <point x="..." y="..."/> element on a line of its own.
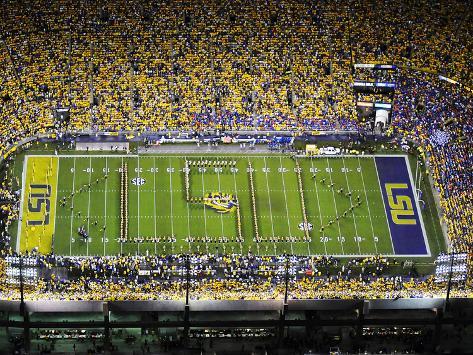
<point x="285" y="201"/>
<point x="251" y="186"/>
<point x="188" y="211"/>
<point x="22" y="199"/>
<point x="384" y="205"/>
<point x="88" y="206"/>
<point x="205" y="208"/>
<point x="154" y="201"/>
<point x="138" y="188"/>
<point x="220" y="190"/>
<point x="351" y="204"/>
<point x="269" y="197"/>
<point x="121" y="243"/>
<point x="236" y="195"/>
<point x="335" y="204"/>
<point x="368" y="205"/>
<point x="172" y="207"/>
<point x="72" y="204"/>
<point x="303" y="205"/>
<point x="139" y="216"/>
<point x="55" y="201"/>
<point x="318" y="204"/>
<point x="105" y="217"/>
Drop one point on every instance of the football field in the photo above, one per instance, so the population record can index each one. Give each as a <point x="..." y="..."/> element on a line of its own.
<point x="108" y="204"/>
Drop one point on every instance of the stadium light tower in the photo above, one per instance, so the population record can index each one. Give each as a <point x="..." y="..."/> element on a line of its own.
<point x="449" y="285"/>
<point x="22" y="299"/>
<point x="450" y="268"/>
<point x="286" y="280"/>
<point x="186" y="307"/>
<point x="187" y="278"/>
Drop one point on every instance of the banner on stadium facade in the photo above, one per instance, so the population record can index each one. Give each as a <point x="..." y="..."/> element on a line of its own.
<point x="444" y="78"/>
<point x="375" y="66"/>
<point x="374" y="84"/>
<point x="366" y="104"/>
<point x="452" y="81"/>
<point x="382" y="105"/>
<point x="375" y="105"/>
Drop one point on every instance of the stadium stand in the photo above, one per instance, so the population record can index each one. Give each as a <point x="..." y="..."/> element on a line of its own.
<point x="193" y="67"/>
<point x="279" y="66"/>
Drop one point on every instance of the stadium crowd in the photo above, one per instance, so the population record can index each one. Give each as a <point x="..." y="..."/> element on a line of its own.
<point x="185" y="65"/>
<point x="439" y="118"/>
<point x="218" y="277"/>
<point x="265" y="65"/>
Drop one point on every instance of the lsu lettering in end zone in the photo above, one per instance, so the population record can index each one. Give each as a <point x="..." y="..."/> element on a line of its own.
<point x="38" y="204"/>
<point x="402" y="208"/>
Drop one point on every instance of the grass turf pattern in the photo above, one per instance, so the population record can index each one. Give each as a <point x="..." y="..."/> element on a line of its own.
<point x="159" y="214"/>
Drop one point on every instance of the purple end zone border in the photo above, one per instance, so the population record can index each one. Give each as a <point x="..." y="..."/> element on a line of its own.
<point x="402" y="208"/>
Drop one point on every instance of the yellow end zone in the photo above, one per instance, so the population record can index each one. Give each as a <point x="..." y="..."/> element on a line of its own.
<point x="39" y="203"/>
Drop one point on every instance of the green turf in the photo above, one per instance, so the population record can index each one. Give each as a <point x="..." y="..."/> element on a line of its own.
<point x="158" y="208"/>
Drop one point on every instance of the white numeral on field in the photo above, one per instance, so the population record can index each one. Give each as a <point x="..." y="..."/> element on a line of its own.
<point x="72" y="170"/>
<point x="341" y="239"/>
<point x="138" y="170"/>
<point x="106" y="170"/>
<point x="323" y="239"/>
<point x="375" y="239"/>
<point x="314" y="170"/>
<point x="357" y="239"/>
<point x="328" y="170"/>
<point x="358" y="169"/>
<point x="170" y="170"/>
<point x="234" y="170"/>
<point x="266" y="170"/>
<point x="297" y="170"/>
<point x="201" y="170"/>
<point x="153" y="170"/>
<point x="250" y="170"/>
<point x="282" y="170"/>
<point x="218" y="170"/>
<point x="89" y="170"/>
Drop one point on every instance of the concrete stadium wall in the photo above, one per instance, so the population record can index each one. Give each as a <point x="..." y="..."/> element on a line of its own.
<point x="228" y="306"/>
